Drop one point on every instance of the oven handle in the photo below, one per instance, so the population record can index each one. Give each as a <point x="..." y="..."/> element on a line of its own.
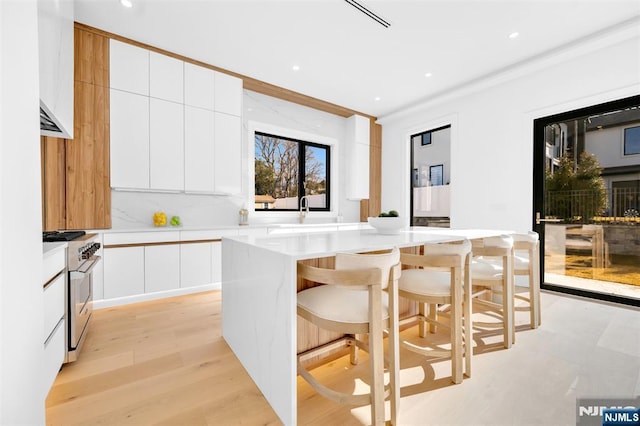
<point x="86" y="270"/>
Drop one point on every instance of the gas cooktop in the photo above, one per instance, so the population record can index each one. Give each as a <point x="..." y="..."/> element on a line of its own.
<point x="50" y="236"/>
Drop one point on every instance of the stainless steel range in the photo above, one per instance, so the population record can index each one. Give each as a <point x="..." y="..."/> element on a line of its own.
<point x="81" y="260"/>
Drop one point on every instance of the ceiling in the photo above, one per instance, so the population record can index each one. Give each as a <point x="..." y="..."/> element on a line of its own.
<point x="345" y="57"/>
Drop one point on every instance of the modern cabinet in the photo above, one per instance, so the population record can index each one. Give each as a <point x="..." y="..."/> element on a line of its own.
<point x="227" y="154"/>
<point x="166" y="145"/>
<point x="128" y="68"/>
<point x="216" y="262"/>
<point x="123" y="271"/>
<point x="228" y="94"/>
<point x="195" y="264"/>
<point x="129" y="140"/>
<point x="199" y="86"/>
<point x="161" y="268"/>
<point x="199" y="137"/>
<point x="54" y="277"/>
<point x="357" y="156"/>
<point x="166" y="79"/>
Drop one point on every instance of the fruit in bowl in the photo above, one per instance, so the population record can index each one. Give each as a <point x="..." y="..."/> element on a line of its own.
<point x="388" y="224"/>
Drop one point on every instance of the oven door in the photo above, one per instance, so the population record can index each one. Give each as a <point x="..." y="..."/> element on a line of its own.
<point x="80" y="302"/>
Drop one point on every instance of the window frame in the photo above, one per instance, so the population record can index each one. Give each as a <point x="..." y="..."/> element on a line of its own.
<point x="302" y="145"/>
<point x="624" y="141"/>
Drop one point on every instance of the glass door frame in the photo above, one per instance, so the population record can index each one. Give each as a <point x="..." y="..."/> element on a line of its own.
<point x="539" y="164"/>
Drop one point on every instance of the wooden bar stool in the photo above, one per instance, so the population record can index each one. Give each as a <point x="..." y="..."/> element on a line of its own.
<point x="492" y="273"/>
<point x="443" y="278"/>
<point x="526" y="262"/>
<point x="353" y="301"/>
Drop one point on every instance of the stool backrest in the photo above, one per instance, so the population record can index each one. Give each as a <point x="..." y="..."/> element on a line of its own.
<point x="383" y="261"/>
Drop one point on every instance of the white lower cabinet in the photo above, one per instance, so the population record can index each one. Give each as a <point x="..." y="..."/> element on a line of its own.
<point x="216" y="262"/>
<point x="161" y="268"/>
<point x="54" y="275"/>
<point x="123" y="271"/>
<point x="195" y="264"/>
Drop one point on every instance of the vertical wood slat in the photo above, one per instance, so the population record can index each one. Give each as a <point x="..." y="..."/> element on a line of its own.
<point x="372" y="206"/>
<point x="53" y="183"/>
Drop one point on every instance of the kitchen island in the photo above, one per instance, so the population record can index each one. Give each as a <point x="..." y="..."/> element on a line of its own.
<point x="259" y="284"/>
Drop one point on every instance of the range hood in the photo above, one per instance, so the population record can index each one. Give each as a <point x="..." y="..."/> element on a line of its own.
<point x="48" y="125"/>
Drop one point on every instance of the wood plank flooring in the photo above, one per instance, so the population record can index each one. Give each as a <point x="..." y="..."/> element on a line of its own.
<point x="164" y="362"/>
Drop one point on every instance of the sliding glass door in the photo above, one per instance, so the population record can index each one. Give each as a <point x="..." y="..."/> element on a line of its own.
<point x="587" y="200"/>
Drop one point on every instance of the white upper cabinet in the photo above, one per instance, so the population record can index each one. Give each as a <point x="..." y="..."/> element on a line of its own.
<point x="357" y="156"/>
<point x="227" y="155"/>
<point x="198" y="150"/>
<point x="166" y="143"/>
<point x="129" y="146"/>
<point x="166" y="79"/>
<point x="128" y="68"/>
<point x="228" y="94"/>
<point x="199" y="86"/>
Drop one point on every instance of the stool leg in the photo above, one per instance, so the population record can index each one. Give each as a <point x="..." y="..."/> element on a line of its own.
<point x="422" y="322"/>
<point x="433" y="316"/>
<point x="456" y="326"/>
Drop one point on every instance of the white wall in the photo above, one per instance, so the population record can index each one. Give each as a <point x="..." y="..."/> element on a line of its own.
<point x="21" y="318"/>
<point x="608" y="146"/>
<point x="492" y="127"/>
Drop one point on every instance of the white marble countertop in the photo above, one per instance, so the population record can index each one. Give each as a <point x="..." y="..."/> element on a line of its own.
<point x="310" y="245"/>
<point x="49" y="248"/>
<point x="310" y="225"/>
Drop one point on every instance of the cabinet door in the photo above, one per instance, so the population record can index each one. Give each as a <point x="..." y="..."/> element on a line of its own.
<point x="195" y="264"/>
<point x="123" y="272"/>
<point x="228" y="94"/>
<point x="129" y="147"/>
<point x="198" y="150"/>
<point x="198" y="86"/>
<point x="227" y="155"/>
<point x="128" y="68"/>
<point x="166" y="154"/>
<point x="216" y="262"/>
<point x="161" y="268"/>
<point x="358" y="172"/>
<point x="166" y="77"/>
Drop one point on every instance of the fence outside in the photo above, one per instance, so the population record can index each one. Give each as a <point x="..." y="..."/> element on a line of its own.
<point x="584" y="206"/>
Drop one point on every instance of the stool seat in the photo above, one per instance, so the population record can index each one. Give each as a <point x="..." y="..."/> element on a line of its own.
<point x="426" y="282"/>
<point x="340" y="304"/>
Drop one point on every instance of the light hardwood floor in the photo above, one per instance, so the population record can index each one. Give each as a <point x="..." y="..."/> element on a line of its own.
<point x="165" y="362"/>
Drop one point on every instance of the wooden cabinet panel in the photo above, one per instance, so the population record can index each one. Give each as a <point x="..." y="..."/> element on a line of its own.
<point x="198" y="150"/>
<point x="88" y="196"/>
<point x="53" y="183"/>
<point x="166" y="145"/>
<point x="91" y="58"/>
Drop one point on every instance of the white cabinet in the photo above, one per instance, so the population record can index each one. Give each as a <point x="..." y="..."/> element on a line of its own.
<point x="198" y="150"/>
<point x="129" y="146"/>
<point x="166" y="145"/>
<point x="195" y="264"/>
<point x="123" y="271"/>
<point x="161" y="268"/>
<point x="128" y="68"/>
<point x="228" y="94"/>
<point x="166" y="77"/>
<point x="357" y="156"/>
<point x="54" y="276"/>
<point x="216" y="262"/>
<point x="199" y="86"/>
<point x="227" y="155"/>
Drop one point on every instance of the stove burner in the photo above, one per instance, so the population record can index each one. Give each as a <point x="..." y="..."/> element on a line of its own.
<point x="50" y="236"/>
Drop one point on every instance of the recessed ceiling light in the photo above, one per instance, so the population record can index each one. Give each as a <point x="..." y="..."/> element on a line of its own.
<point x="296" y="67"/>
<point x="514" y="34"/>
<point x="428" y="74"/>
<point x="126" y="3"/>
<point x="377" y="98"/>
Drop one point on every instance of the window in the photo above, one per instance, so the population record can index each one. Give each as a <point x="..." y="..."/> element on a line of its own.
<point x="287" y="169"/>
<point x="632" y="140"/>
<point x="435" y="175"/>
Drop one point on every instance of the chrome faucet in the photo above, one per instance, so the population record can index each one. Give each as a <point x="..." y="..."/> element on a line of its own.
<point x="303" y="213"/>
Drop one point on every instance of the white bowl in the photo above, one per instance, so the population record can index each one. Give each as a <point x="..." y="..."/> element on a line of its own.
<point x="387" y="225"/>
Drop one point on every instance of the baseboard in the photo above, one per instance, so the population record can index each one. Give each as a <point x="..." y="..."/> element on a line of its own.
<point x="108" y="303"/>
